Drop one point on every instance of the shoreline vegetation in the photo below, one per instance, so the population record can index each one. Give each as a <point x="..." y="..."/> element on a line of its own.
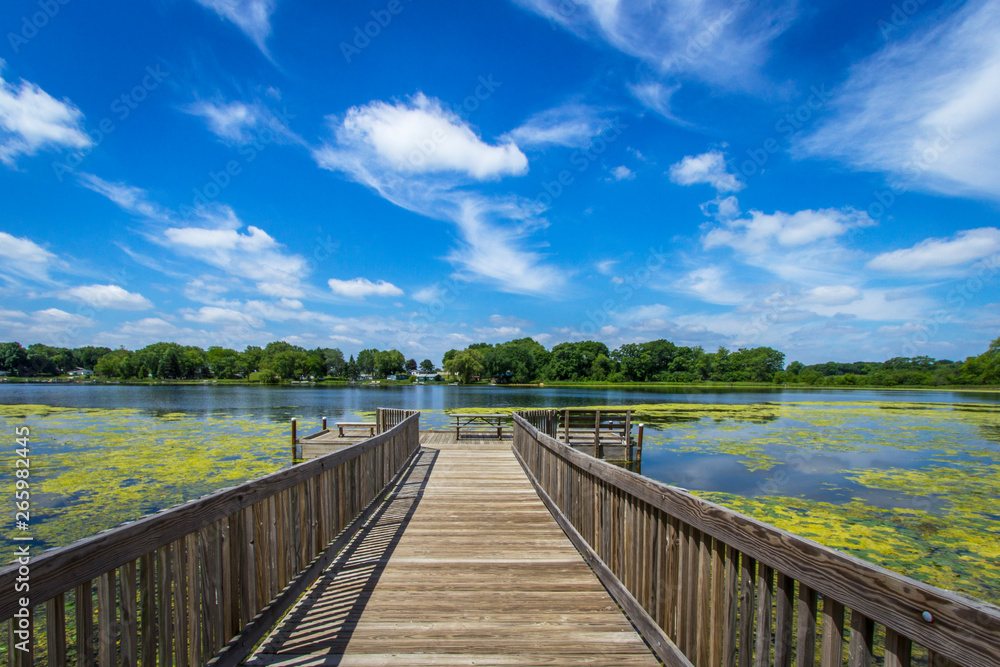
<point x="520" y="362"/>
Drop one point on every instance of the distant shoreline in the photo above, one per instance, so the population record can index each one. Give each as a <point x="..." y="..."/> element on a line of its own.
<point x="536" y="385"/>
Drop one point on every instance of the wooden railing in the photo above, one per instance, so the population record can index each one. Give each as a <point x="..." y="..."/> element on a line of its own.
<point x="209" y="577"/>
<point x="387" y="418"/>
<point x="710" y="587"/>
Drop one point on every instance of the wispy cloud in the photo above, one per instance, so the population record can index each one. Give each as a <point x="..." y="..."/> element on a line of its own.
<point x="107" y="296"/>
<point x="946" y="136"/>
<point x="238" y="122"/>
<point x="960" y="251"/>
<point x="253" y="17"/>
<point x="359" y="288"/>
<point x="716" y="41"/>
<point x="573" y="125"/>
<point x="759" y="231"/>
<point x="31" y="119"/>
<point x="425" y="158"/>
<point x="21" y="257"/>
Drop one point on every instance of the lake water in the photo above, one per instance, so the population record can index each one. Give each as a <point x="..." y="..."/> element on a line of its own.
<point x="908" y="479"/>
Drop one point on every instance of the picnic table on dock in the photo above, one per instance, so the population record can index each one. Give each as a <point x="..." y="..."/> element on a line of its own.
<point x="478" y="423"/>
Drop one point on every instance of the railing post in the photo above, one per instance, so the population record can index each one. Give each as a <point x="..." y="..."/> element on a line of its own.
<point x="295" y="441"/>
<point x="324" y="423"/>
<point x="597" y="434"/>
<point x="638" y="444"/>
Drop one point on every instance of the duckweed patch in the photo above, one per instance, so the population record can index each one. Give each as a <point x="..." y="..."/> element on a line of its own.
<point x="93" y="469"/>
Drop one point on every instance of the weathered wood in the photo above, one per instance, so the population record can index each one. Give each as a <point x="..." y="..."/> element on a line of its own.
<point x="84" y="602"/>
<point x="164" y="610"/>
<point x="147" y="601"/>
<point x="193" y="599"/>
<point x="55" y="630"/>
<point x="179" y="577"/>
<point x="732" y="601"/>
<point x="748" y="575"/>
<point x="60" y="570"/>
<point x="886" y="597"/>
<point x="717" y="626"/>
<point x="664" y="648"/>
<point x="23" y="651"/>
<point x="833" y="633"/>
<point x="704" y="600"/>
<point x="107" y="620"/>
<point x="129" y="618"/>
<point x="805" y="634"/>
<point x="783" y="620"/>
<point x="861" y="652"/>
<point x="765" y="603"/>
<point x="897" y="649"/>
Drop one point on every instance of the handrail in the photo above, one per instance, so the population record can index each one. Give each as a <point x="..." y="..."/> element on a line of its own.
<point x="720" y="587"/>
<point x="204" y="569"/>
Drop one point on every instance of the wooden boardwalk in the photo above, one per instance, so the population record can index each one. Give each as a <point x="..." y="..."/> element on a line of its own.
<point x="461" y="565"/>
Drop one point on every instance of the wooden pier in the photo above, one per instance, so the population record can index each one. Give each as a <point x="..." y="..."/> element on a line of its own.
<point x="414" y="549"/>
<point x="460" y="565"/>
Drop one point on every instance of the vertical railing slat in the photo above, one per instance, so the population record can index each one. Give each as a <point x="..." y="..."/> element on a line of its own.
<point x="860" y="652"/>
<point x="832" y="650"/>
<point x="107" y="621"/>
<point x="704" y="599"/>
<point x="805" y="633"/>
<point x="84" y="600"/>
<point x="765" y="602"/>
<point x="147" y="601"/>
<point x="784" y="615"/>
<point x="897" y="649"/>
<point x="55" y="629"/>
<point x="748" y="576"/>
<point x="129" y="617"/>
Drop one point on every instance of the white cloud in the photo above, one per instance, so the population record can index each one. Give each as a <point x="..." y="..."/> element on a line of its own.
<point x="716" y="41"/>
<point x="711" y="284"/>
<point x="107" y="296"/>
<point x="428" y="294"/>
<point x="755" y="234"/>
<point x="222" y="316"/>
<point x="31" y="119"/>
<point x="509" y="320"/>
<point x="831" y="295"/>
<point x="359" y="288"/>
<point x="237" y="122"/>
<point x="622" y="173"/>
<point x="419" y="136"/>
<point x="655" y="96"/>
<point x="572" y="125"/>
<point x="946" y="136"/>
<point x="371" y="151"/>
<point x="709" y="168"/>
<point x="253" y="17"/>
<point x="22" y="257"/>
<point x="131" y="199"/>
<point x="961" y="250"/>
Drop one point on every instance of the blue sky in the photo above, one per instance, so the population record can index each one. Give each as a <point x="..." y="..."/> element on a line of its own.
<point x="820" y="177"/>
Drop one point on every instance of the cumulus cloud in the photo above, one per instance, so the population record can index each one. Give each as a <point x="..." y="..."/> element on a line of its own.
<point x="359" y="288"/>
<point x="107" y="296"/>
<point x="709" y="168"/>
<point x="711" y="284"/>
<point x="31" y="119"/>
<point x="424" y="158"/>
<point x="756" y="233"/>
<point x="622" y="173"/>
<point x="418" y="136"/>
<point x="946" y="136"/>
<point x="222" y="316"/>
<point x="253" y="17"/>
<point x="963" y="249"/>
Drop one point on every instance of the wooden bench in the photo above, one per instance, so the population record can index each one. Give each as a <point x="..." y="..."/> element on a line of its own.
<point x="355" y="425"/>
<point x="479" y="423"/>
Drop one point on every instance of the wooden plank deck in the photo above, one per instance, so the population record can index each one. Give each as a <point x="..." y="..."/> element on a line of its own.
<point x="462" y="565"/>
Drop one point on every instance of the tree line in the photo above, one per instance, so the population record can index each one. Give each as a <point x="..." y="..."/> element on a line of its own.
<point x="519" y="361"/>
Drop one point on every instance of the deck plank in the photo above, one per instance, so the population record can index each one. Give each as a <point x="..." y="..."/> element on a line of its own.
<point x="461" y="565"/>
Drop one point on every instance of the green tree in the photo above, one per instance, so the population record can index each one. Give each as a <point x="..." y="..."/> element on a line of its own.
<point x="411" y="365"/>
<point x="465" y="364"/>
<point x="366" y="361"/>
<point x="223" y="362"/>
<point x="250" y="360"/>
<point x="389" y="362"/>
<point x="426" y="366"/>
<point x="352" y="369"/>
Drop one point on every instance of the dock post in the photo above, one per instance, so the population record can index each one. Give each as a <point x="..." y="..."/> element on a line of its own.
<point x="324" y="423"/>
<point x="295" y="441"/>
<point x="638" y="445"/>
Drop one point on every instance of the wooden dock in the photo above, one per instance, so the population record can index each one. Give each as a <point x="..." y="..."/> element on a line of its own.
<point x="462" y="564"/>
